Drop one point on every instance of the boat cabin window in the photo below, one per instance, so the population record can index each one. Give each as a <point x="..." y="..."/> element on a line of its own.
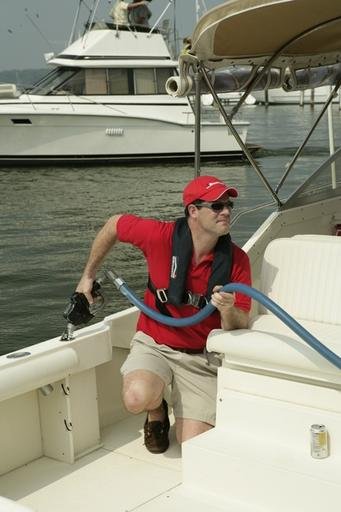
<point x="95" y="81"/>
<point x="118" y="81"/>
<point x="144" y="81"/>
<point x="100" y="81"/>
<point x="73" y="85"/>
<point x="162" y="75"/>
<point x="151" y="81"/>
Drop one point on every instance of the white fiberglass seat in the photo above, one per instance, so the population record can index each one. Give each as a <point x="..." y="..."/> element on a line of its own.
<point x="272" y="388"/>
<point x="302" y="275"/>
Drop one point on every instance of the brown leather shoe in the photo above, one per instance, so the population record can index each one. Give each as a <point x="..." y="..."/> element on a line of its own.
<point x="156" y="433"/>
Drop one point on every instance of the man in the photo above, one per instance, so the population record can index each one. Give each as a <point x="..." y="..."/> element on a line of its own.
<point x="188" y="262"/>
<point x="140" y="16"/>
<point x="121" y="9"/>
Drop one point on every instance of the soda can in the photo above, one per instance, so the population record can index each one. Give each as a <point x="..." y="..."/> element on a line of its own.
<point x="319" y="445"/>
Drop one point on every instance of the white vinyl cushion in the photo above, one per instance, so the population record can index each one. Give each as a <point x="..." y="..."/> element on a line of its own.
<point x="270" y="345"/>
<point x="303" y="275"/>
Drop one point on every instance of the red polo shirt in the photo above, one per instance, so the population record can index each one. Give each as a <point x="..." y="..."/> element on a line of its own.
<point x="154" y="238"/>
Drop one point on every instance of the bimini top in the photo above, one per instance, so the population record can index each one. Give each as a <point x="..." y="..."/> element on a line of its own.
<point x="303" y="33"/>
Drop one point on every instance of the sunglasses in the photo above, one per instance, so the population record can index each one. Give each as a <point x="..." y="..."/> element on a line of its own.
<point x="216" y="206"/>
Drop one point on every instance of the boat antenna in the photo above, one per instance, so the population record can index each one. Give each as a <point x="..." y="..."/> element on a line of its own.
<point x="174" y="31"/>
<point x="94" y="12"/>
<point x="91" y="18"/>
<point x="75" y="21"/>
<point x="36" y="26"/>
<point x="199" y="8"/>
<point x="161" y="15"/>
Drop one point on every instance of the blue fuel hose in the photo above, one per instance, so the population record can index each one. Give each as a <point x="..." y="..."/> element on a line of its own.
<point x="209" y="309"/>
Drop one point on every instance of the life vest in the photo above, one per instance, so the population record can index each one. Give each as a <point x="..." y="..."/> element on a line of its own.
<point x="182" y="249"/>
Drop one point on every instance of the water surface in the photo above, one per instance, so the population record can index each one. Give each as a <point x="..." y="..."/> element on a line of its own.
<point x="49" y="217"/>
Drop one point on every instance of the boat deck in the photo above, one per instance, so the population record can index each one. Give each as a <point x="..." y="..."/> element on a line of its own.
<point x="120" y="476"/>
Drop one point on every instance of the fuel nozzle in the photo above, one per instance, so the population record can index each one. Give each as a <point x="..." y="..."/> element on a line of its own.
<point x="114" y="278"/>
<point x="79" y="311"/>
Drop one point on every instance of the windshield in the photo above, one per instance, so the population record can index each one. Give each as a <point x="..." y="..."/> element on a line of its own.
<point x="323" y="184"/>
<point x="54" y="81"/>
<point x="101" y="81"/>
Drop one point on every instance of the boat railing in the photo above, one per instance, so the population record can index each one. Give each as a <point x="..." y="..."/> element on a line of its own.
<point x="107" y="25"/>
<point x="71" y="103"/>
<point x="30" y="101"/>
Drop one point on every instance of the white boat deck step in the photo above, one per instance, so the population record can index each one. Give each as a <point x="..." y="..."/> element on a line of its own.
<point x="120" y="476"/>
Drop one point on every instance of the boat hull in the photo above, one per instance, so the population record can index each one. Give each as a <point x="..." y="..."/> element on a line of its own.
<point x="28" y="139"/>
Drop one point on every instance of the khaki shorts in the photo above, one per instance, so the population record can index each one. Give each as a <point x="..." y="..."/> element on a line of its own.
<point x="192" y="377"/>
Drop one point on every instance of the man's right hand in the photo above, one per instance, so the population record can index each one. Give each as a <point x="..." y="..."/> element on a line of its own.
<point x="85" y="286"/>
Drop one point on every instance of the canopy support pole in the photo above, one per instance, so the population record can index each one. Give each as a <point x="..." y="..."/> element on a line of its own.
<point x="304" y="143"/>
<point x="197" y="114"/>
<point x="245" y="149"/>
<point x="331" y="142"/>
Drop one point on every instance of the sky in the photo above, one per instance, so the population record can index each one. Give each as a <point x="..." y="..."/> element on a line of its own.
<point x="31" y="28"/>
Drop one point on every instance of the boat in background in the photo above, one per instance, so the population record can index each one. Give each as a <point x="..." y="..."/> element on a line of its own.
<point x="65" y="437"/>
<point x="305" y="97"/>
<point x="105" y="101"/>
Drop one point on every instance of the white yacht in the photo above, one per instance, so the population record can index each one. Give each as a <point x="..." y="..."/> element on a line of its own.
<point x="66" y="441"/>
<point x="304" y="97"/>
<point x="105" y="100"/>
